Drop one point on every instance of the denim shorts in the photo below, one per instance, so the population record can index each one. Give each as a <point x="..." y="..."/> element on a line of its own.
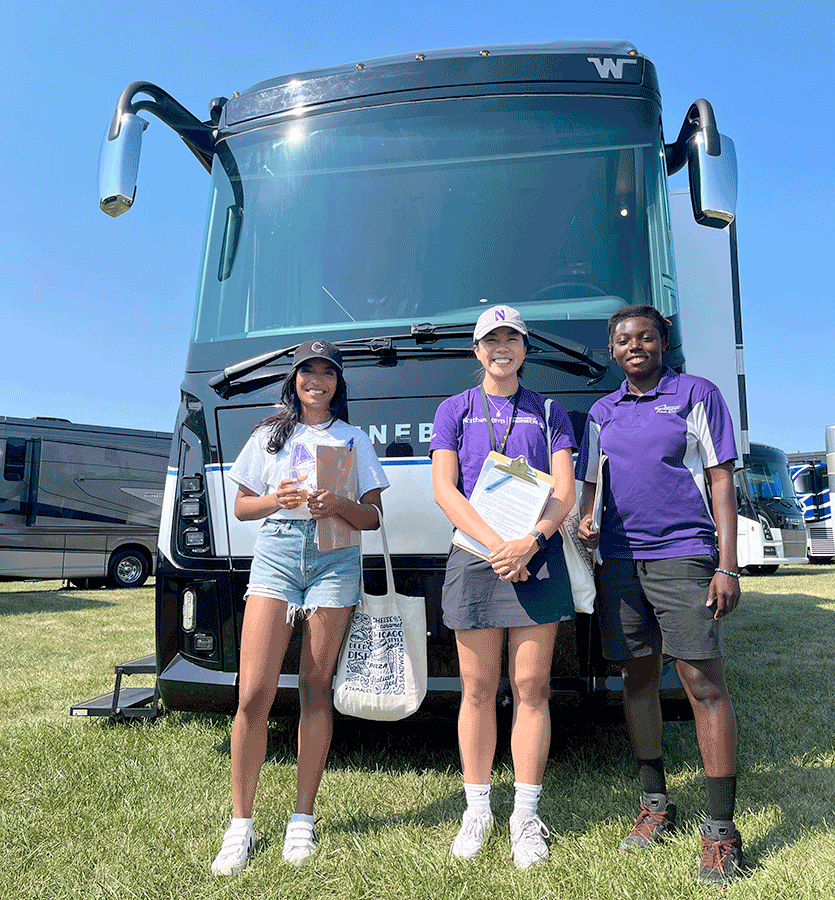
<point x="287" y="565"/>
<point x="651" y="606"/>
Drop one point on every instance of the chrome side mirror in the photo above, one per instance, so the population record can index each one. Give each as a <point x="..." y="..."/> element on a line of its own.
<point x="713" y="181"/>
<point x="119" y="163"/>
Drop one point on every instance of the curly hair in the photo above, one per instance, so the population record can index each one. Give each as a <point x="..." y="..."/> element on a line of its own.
<point x="284" y="422"/>
<point x="640" y="311"/>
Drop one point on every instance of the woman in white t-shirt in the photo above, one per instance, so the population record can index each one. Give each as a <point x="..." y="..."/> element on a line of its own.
<point x="276" y="474"/>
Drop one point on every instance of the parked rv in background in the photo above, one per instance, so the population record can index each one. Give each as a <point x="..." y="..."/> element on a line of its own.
<point x="770" y="527"/>
<point x="79" y="502"/>
<point x="814" y="481"/>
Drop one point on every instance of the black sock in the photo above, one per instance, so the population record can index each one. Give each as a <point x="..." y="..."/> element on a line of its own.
<point x="721" y="798"/>
<point x="651" y="776"/>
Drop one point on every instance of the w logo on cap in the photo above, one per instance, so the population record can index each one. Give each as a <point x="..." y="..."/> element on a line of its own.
<point x="317" y="346"/>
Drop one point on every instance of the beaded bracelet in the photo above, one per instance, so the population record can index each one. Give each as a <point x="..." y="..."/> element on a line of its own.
<point x="726" y="572"/>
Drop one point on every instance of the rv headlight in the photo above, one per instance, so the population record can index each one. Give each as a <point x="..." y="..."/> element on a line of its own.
<point x="189" y="598"/>
<point x="190" y="509"/>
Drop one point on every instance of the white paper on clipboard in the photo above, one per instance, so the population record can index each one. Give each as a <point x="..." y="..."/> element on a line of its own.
<point x="511" y="506"/>
<point x="597" y="506"/>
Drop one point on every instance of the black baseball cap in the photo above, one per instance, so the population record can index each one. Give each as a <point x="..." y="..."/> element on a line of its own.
<point x="317" y="350"/>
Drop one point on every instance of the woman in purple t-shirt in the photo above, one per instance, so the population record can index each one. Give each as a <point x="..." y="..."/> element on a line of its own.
<point x="669" y="568"/>
<point x="523" y="586"/>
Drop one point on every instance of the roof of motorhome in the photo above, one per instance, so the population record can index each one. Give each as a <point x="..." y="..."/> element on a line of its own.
<point x="765" y="449"/>
<point x="47" y="424"/>
<point x="810" y="456"/>
<point x="576" y="66"/>
<point x="600" y="48"/>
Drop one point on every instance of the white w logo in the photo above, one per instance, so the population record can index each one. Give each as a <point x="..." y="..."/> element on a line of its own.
<point x="607" y="67"/>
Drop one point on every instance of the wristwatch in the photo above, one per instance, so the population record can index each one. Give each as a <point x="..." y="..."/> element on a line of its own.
<point x="541" y="540"/>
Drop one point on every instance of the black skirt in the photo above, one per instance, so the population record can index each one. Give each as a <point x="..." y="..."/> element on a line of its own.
<point x="475" y="597"/>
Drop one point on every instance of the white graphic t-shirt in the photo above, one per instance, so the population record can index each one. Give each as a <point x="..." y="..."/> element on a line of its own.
<point x="262" y="472"/>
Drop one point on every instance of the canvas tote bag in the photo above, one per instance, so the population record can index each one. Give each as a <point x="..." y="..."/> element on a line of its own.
<point x="381" y="673"/>
<point x="577" y="558"/>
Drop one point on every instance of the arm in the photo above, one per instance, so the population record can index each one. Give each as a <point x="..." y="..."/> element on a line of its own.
<point x="589" y="538"/>
<point x="362" y="515"/>
<point x="455" y="506"/>
<point x="724" y="589"/>
<point x="249" y="505"/>
<point x="509" y="560"/>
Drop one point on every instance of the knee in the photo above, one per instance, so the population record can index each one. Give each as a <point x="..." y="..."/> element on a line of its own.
<point x="479" y="692"/>
<point x="254" y="703"/>
<point x="641" y="675"/>
<point x="531" y="690"/>
<point x="701" y="688"/>
<point x="315" y="689"/>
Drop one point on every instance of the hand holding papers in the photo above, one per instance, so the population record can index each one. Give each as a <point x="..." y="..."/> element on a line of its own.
<point x="589" y="527"/>
<point x="336" y="471"/>
<point x="509" y="496"/>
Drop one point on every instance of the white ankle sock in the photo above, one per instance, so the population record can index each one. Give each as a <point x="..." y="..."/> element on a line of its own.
<point x="302" y="817"/>
<point x="240" y="822"/>
<point x="478" y="797"/>
<point x="526" y="799"/>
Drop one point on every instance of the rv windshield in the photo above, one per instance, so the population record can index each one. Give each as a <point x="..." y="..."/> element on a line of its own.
<point x="415" y="212"/>
<point x="768" y="476"/>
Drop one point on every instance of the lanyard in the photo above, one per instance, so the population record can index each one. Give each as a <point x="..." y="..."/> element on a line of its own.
<point x="516" y="397"/>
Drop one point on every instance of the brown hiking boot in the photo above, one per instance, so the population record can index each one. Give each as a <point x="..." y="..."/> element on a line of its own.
<point x="651" y="826"/>
<point x="721" y="853"/>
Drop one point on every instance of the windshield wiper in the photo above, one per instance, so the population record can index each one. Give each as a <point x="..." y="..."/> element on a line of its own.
<point x="380" y="349"/>
<point x="383" y="352"/>
<point x="427" y="333"/>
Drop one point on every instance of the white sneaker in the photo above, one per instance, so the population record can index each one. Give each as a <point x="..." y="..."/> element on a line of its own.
<point x="527" y="839"/>
<point x="475" y="829"/>
<point x="238" y="844"/>
<point x="299" y="843"/>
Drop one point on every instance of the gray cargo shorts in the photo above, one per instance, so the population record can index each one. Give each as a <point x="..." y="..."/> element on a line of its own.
<point x="649" y="606"/>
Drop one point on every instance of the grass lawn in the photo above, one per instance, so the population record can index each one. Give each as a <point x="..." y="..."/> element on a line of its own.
<point x="89" y="809"/>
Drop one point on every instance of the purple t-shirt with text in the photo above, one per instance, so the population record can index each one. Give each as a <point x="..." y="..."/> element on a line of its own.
<point x="658" y="446"/>
<point x="460" y="425"/>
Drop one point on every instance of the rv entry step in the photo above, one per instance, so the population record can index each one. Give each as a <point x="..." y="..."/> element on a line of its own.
<point x="129" y="702"/>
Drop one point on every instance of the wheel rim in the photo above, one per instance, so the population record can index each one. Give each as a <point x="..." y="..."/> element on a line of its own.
<point x="129" y="570"/>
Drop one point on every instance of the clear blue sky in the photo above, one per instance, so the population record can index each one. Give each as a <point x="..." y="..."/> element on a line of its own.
<point x="97" y="312"/>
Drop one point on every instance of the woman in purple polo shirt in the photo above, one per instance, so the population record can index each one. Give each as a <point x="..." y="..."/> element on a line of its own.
<point x="523" y="588"/>
<point x="669" y="569"/>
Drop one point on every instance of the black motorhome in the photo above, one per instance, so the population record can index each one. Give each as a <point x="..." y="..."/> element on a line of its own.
<point x="382" y="205"/>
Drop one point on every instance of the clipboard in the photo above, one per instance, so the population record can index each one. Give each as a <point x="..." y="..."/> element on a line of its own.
<point x="509" y="495"/>
<point x="336" y="471"/>
<point x="597" y="505"/>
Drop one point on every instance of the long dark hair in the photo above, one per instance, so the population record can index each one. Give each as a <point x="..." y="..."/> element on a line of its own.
<point x="284" y="422"/>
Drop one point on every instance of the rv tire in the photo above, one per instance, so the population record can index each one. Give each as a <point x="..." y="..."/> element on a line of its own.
<point x="761" y="570"/>
<point x="128" y="568"/>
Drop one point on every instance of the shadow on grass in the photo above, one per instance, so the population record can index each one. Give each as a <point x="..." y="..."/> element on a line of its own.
<point x="61" y="600"/>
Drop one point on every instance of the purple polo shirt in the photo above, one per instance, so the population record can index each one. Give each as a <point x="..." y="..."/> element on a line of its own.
<point x="658" y="446"/>
<point x="460" y="425"/>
